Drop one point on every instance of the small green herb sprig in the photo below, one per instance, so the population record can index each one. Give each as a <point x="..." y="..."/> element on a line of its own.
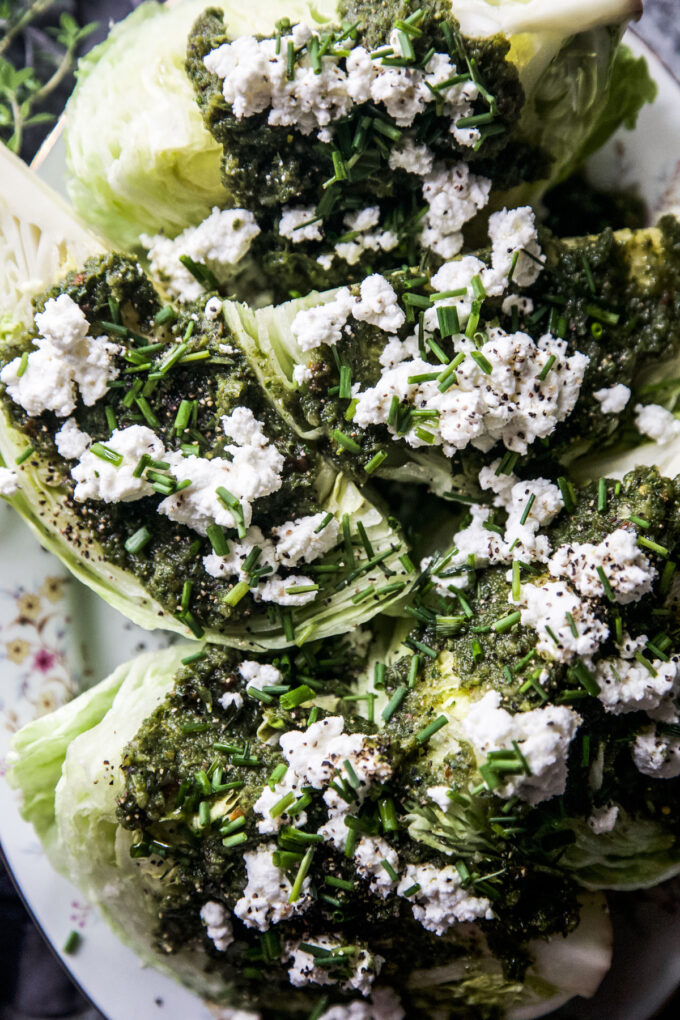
<point x="49" y="61"/>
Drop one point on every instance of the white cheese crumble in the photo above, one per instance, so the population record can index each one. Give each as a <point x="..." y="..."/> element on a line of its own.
<point x="317" y="754"/>
<point x="97" y="478"/>
<point x="629" y="572"/>
<point x="254" y="471"/>
<point x="66" y="360"/>
<point x="71" y="441"/>
<point x="302" y="374"/>
<point x="259" y="673"/>
<point x="604" y="819"/>
<point x="441" y="901"/>
<point x="213" y="310"/>
<point x="440" y="796"/>
<point x="231" y="565"/>
<point x="369" y="854"/>
<point x="9" y="482"/>
<point x="378" y="304"/>
<point x="612" y="399"/>
<point x="413" y="158"/>
<point x="360" y="223"/>
<point x="299" y="542"/>
<point x="454" y="196"/>
<point x="513" y="237"/>
<point x="626" y="685"/>
<point x="543" y="736"/>
<point x="655" y="421"/>
<point x="544" y="609"/>
<point x="499" y="398"/>
<point x="300" y="223"/>
<point x="383" y="1005"/>
<point x="656" y="755"/>
<point x="218" y="926"/>
<point x="323" y="324"/>
<point x="265" y="898"/>
<point x="269" y="798"/>
<point x="219" y="242"/>
<point x="524" y="305"/>
<point x="305" y="970"/>
<point x="275" y="589"/>
<point x="231" y="699"/>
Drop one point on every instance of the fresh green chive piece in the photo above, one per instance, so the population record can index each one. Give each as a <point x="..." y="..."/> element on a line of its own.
<point x="29" y="451"/>
<point x="72" y="943"/>
<point x="395" y="702"/>
<point x="415" y="380"/>
<point x="425" y="435"/>
<point x="301" y="589"/>
<point x="585" y="678"/>
<point x="507" y="622"/>
<point x="589" y="273"/>
<point x="235" y="826"/>
<point x="23" y="365"/>
<point x="412" y="890"/>
<point x="572" y="625"/>
<point x="136" y="542"/>
<point x="188" y="618"/>
<point x="324" y="523"/>
<point x="602" y="495"/>
<point x="449" y="323"/>
<point x="667" y="577"/>
<point x="298" y="696"/>
<point x="413" y="668"/>
<point x="424" y="735"/>
<point x="567" y="492"/>
<point x="516" y="581"/>
<point x="393" y="413"/>
<point x="374" y="463"/>
<point x="527" y="509"/>
<point x="661" y="550"/>
<point x="107" y="454"/>
<point x="111" y="422"/>
<point x="520" y="757"/>
<point x="609" y="318"/>
<point x="345" y="390"/>
<point x="183" y="416"/>
<point x="165" y="316"/>
<point x="240" y="589"/>
<point x="195" y="657"/>
<point x="542" y="375"/>
<point x="482" y="362"/>
<point x="304" y="867"/>
<point x="149" y="417"/>
<point x="186" y="593"/>
<point x="218" y="540"/>
<point x="279" y="808"/>
<point x="365" y="540"/>
<point x="604" y="580"/>
<point x="361" y="596"/>
<point x="345" y="441"/>
<point x="339" y="883"/>
<point x="236" y="840"/>
<point x="646" y="663"/>
<point x="640" y="521"/>
<point x="437" y="351"/>
<point x="420" y="646"/>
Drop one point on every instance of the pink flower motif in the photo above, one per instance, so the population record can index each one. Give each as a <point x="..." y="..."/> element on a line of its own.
<point x="44" y="660"/>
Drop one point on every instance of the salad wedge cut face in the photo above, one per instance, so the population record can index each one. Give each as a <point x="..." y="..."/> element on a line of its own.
<point x="531" y="347"/>
<point x="162" y="795"/>
<point x="133" y="450"/>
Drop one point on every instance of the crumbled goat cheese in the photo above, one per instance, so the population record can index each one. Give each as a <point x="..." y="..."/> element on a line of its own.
<point x="65" y="360"/>
<point x="383" y="1005"/>
<point x="265" y="898"/>
<point x="298" y="541"/>
<point x="231" y="699"/>
<point x="9" y="482"/>
<point x="213" y="309"/>
<point x="544" y="609"/>
<point x="254" y="471"/>
<point x="71" y="442"/>
<point x="318" y="752"/>
<point x="369" y="854"/>
<point x="454" y="196"/>
<point x="628" y="570"/>
<point x="524" y="305"/>
<point x="218" y="925"/>
<point x="378" y="304"/>
<point x="656" y="755"/>
<point x="455" y="275"/>
<point x="543" y="736"/>
<point x="275" y="589"/>
<point x="441" y="900"/>
<point x="259" y="673"/>
<point x="323" y="324"/>
<point x="656" y="422"/>
<point x="116" y="483"/>
<point x="628" y="686"/>
<point x="508" y="403"/>
<point x="219" y="242"/>
<point x="440" y="796"/>
<point x="603" y="819"/>
<point x="612" y="399"/>
<point x="302" y="374"/>
<point x="512" y="233"/>
<point x="270" y="798"/>
<point x="395" y="351"/>
<point x="413" y="158"/>
<point x="305" y="969"/>
<point x="300" y="223"/>
<point x="231" y="565"/>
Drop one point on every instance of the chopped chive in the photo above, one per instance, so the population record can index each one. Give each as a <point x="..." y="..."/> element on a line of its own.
<point x="661" y="550"/>
<point x="106" y="453"/>
<point x="72" y="943"/>
<point x="236" y="840"/>
<point x="414" y="666"/>
<point x="424" y="735"/>
<point x="477" y="651"/>
<point x="449" y="323"/>
<point x="188" y="618"/>
<point x="166" y="315"/>
<point x="23" y="365"/>
<point x="425" y="436"/>
<point x="602" y="495"/>
<point x="414" y="380"/>
<point x="522" y="760"/>
<point x="345" y="390"/>
<point x="667" y="577"/>
<point x="347" y="538"/>
<point x="609" y="318"/>
<point x="393" y="413"/>
<point x="572" y="625"/>
<point x="218" y="540"/>
<point x="605" y="584"/>
<point x="437" y="351"/>
<point x="29" y="451"/>
<point x="204" y="814"/>
<point x="183" y="416"/>
<point x="375" y="462"/>
<point x="646" y="663"/>
<point x="296" y="697"/>
<point x="482" y="362"/>
<point x="542" y="375"/>
<point x="324" y="523"/>
<point x="149" y="417"/>
<point x="235" y="826"/>
<point x="111" y="421"/>
<point x="420" y="646"/>
<point x="194" y="657"/>
<point x="339" y="883"/>
<point x="412" y="890"/>
<point x="345" y="441"/>
<point x="394" y="703"/>
<point x="361" y="596"/>
<point x="507" y="622"/>
<point x="527" y="509"/>
<point x="585" y="678"/>
<point x="186" y="593"/>
<point x="567" y="492"/>
<point x="407" y="563"/>
<point x="365" y="541"/>
<point x="304" y="867"/>
<point x="301" y="589"/>
<point x="281" y="805"/>
<point x="589" y="275"/>
<point x="240" y="589"/>
<point x="135" y="543"/>
<point x="516" y="581"/>
<point x="640" y="521"/>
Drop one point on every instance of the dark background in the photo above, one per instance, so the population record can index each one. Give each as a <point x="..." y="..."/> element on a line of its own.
<point x="32" y="984"/>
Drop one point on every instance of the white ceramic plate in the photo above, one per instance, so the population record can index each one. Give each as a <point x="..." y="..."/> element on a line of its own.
<point x="57" y="638"/>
